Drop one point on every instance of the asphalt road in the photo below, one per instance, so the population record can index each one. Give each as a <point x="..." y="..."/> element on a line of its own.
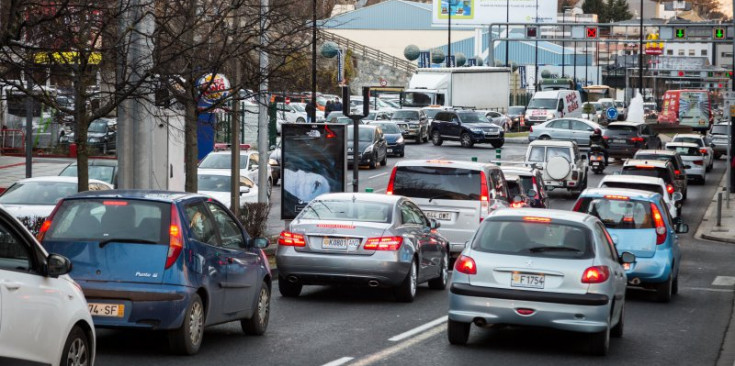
<point x="335" y="326"/>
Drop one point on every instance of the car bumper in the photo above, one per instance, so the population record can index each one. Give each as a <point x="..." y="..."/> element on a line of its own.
<point x="655" y="269"/>
<point x="586" y="313"/>
<point x="568" y="183"/>
<point x="480" y="139"/>
<point x="622" y="151"/>
<point x="410" y="133"/>
<point x="396" y="149"/>
<point x="364" y="159"/>
<point x="720" y="148"/>
<point x="695" y="171"/>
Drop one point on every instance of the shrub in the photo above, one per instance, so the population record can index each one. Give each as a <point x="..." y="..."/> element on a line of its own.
<point x="33" y="224"/>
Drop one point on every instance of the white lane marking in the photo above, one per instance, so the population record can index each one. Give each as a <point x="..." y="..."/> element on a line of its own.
<point x="338" y="362"/>
<point x="418" y="329"/>
<point x="709" y="289"/>
<point x="378" y="175"/>
<point x="386" y="353"/>
<point x="724" y="281"/>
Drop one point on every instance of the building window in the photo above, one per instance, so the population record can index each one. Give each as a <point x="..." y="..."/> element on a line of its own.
<point x="726" y="54"/>
<point x="691" y="52"/>
<point x="703" y="52"/>
<point x="681" y="52"/>
<point x="670" y="52"/>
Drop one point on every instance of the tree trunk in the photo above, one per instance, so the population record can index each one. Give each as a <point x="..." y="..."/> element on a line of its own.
<point x="191" y="149"/>
<point x="82" y="122"/>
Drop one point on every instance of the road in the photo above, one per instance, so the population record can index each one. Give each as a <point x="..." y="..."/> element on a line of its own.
<point x="334" y="326"/>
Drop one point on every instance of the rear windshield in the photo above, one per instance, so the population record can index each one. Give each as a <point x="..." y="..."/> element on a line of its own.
<point x="659" y="157"/>
<point x="694" y="140"/>
<point x="685" y="151"/>
<point x="514" y="189"/>
<point x="37" y="193"/>
<point x="647" y="172"/>
<point x="643" y="187"/>
<point x="537" y="153"/>
<point x="720" y="129"/>
<point x="111" y="219"/>
<point x="618" y="213"/>
<point x="99" y="172"/>
<point x="437" y="183"/>
<point x="534" y="239"/>
<point x="348" y="211"/>
<point x="222" y="161"/>
<point x="621" y="129"/>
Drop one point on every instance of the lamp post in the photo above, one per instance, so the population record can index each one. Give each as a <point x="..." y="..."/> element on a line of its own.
<point x="563" y="35"/>
<point x="640" y="54"/>
<point x="507" y="30"/>
<point x="449" y="33"/>
<point x="538" y="34"/>
<point x="312" y="116"/>
<point x="574" y="56"/>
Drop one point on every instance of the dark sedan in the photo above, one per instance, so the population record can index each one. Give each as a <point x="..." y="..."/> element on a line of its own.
<point x="373" y="148"/>
<point x="625" y="138"/>
<point x="394" y="138"/>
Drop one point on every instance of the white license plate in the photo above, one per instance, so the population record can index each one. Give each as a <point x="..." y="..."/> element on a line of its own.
<point x="390" y="150"/>
<point x="335" y="243"/>
<point x="107" y="310"/>
<point x="619" y="142"/>
<point x="439" y="215"/>
<point x="527" y="280"/>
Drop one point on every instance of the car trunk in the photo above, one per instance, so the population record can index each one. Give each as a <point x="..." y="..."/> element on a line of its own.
<point x="337" y="236"/>
<point x="621" y="136"/>
<point x="641" y="242"/>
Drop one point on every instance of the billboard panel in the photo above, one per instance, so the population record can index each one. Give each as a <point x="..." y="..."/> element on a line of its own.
<point x="313" y="162"/>
<point x="485" y="12"/>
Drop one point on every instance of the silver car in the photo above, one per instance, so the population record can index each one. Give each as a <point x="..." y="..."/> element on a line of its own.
<point x="362" y="239"/>
<point x="569" y="129"/>
<point x="542" y="268"/>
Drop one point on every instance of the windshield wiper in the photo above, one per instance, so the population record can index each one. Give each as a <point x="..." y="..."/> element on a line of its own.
<point x="104" y="243"/>
<point x="553" y="249"/>
<point x="438" y="196"/>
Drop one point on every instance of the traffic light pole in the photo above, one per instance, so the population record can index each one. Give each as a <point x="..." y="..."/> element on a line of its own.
<point x="731" y="140"/>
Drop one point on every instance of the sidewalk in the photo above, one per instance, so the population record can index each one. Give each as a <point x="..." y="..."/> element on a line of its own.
<point x="12" y="168"/>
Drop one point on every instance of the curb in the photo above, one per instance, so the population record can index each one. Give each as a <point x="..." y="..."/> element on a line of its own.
<point x="516" y="140"/>
<point x="709" y="214"/>
<point x="727" y="350"/>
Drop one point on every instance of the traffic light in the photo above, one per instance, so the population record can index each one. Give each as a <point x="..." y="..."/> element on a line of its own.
<point x="590" y="32"/>
<point x="531" y="32"/>
<point x="710" y="74"/>
<point x="681" y="73"/>
<point x="680" y="33"/>
<point x="719" y="33"/>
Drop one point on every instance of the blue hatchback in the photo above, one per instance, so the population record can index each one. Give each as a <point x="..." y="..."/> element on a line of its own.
<point x="162" y="260"/>
<point x="639" y="222"/>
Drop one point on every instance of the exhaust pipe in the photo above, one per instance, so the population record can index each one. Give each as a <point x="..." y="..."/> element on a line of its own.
<point x="373" y="283"/>
<point x="293" y="279"/>
<point x="635" y="281"/>
<point x="480" y="322"/>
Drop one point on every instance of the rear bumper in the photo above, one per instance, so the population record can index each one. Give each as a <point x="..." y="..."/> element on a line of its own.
<point x="397" y="149"/>
<point x="622" y="151"/>
<point x="698" y="172"/>
<point x="655" y="269"/>
<point x="457" y="237"/>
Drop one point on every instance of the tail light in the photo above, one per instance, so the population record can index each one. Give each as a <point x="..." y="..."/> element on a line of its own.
<point x="290" y="239"/>
<point x="677" y="172"/>
<point x="47" y="223"/>
<point x="530" y="129"/>
<point x="484" y="191"/>
<point x="697" y="162"/>
<point x="516" y="204"/>
<point x="658" y="220"/>
<point x="465" y="265"/>
<point x="175" y="238"/>
<point x="703" y="151"/>
<point x="669" y="188"/>
<point x="384" y="243"/>
<point x="606" y="137"/>
<point x="636" y="139"/>
<point x="577" y="205"/>
<point x="525" y="311"/>
<point x="596" y="274"/>
<point x="391" y="181"/>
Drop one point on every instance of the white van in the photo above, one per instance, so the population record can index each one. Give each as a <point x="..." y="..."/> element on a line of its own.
<point x="546" y="105"/>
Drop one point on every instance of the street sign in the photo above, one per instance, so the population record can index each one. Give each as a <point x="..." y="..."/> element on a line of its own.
<point x="531" y="32"/>
<point x="680" y="33"/>
<point x="612" y="114"/>
<point x="383" y="82"/>
<point x="591" y="32"/>
<point x="719" y="33"/>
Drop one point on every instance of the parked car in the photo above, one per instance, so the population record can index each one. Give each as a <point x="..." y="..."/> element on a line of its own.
<point x="216" y="184"/>
<point x="564" y="129"/>
<point x="158" y="260"/>
<point x="561" y="163"/>
<point x="680" y="179"/>
<point x="625" y="138"/>
<point x="413" y="123"/>
<point x="375" y="116"/>
<point x="99" y="169"/>
<point x="639" y="223"/>
<point x="654" y="168"/>
<point x="466" y="126"/>
<point x="531" y="179"/>
<point x="516" y="113"/>
<point x="301" y="107"/>
<point x="650" y="184"/>
<point x="249" y="165"/>
<point x="518" y="197"/>
<point x="693" y="158"/>
<point x="45" y="319"/>
<point x="37" y="197"/>
<point x="333" y="116"/>
<point x="540" y="268"/>
<point x="365" y="239"/>
<point x="101" y="136"/>
<point x="718" y="139"/>
<point x="372" y="144"/>
<point x="394" y="138"/>
<point x="290" y="113"/>
<point x="695" y="138"/>
<point x="458" y="194"/>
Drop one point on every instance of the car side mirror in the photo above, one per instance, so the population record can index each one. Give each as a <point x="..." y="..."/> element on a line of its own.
<point x="677" y="196"/>
<point x="531" y="193"/>
<point x="57" y="265"/>
<point x="259" y="242"/>
<point x="682" y="228"/>
<point x="433" y="224"/>
<point x="244" y="189"/>
<point x="627" y="257"/>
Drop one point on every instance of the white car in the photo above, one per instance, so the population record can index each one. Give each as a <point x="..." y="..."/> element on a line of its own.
<point x="302" y="107"/>
<point x="37" y="197"/>
<point x="216" y="184"/>
<point x="706" y="149"/>
<point x="44" y="317"/>
<point x="643" y="183"/>
<point x="249" y="165"/>
<point x="694" y="160"/>
<point x="290" y="113"/>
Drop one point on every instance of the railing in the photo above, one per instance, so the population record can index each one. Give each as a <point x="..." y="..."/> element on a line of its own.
<point x="12" y="140"/>
<point x="369" y="53"/>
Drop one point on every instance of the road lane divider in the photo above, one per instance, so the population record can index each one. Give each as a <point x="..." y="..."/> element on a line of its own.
<point x="339" y="362"/>
<point x="727" y="281"/>
<point x="390" y="351"/>
<point x="418" y="329"/>
<point x="378" y="175"/>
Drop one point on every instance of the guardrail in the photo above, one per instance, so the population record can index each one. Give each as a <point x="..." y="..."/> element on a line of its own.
<point x="12" y="140"/>
<point x="369" y="52"/>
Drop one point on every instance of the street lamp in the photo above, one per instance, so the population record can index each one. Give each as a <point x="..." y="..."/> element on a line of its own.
<point x="312" y="112"/>
<point x="536" y="53"/>
<point x="449" y="33"/>
<point x="507" y="30"/>
<point x="563" y="35"/>
<point x="640" y="55"/>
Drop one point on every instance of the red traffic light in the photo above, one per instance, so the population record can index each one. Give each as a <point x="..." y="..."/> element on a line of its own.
<point x="591" y="32"/>
<point x="531" y="32"/>
<point x="681" y="73"/>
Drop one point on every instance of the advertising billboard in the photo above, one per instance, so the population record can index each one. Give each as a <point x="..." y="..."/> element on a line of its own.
<point x="485" y="12"/>
<point x="313" y="162"/>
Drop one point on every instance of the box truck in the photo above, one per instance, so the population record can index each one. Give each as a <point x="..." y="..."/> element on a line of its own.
<point x="476" y="87"/>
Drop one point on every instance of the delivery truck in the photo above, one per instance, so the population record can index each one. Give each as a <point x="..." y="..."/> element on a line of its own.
<point x="476" y="87"/>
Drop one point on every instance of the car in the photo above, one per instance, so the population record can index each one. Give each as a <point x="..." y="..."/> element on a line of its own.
<point x="540" y="268"/>
<point x="562" y="165"/>
<point x="518" y="197"/>
<point x="695" y="138"/>
<point x="625" y="138"/>
<point x="680" y="178"/>
<point x="516" y="113"/>
<point x="531" y="180"/>
<point x="650" y="184"/>
<point x="373" y="148"/>
<point x="718" y="139"/>
<point x="466" y="126"/>
<point x="101" y="135"/>
<point x="413" y="123"/>
<point x="99" y="169"/>
<point x="37" y="197"/>
<point x="693" y="158"/>
<point x="639" y="223"/>
<point x="650" y="111"/>
<point x="45" y="319"/>
<point x="216" y="184"/>
<point x="249" y="165"/>
<point x="394" y="138"/>
<point x="375" y="116"/>
<point x="333" y="116"/>
<point x="663" y="169"/>
<point x="291" y="113"/>
<point x="431" y="111"/>
<point x="458" y="194"/>
<point x="592" y="111"/>
<point x="301" y="107"/>
<point x="622" y="109"/>
<point x="366" y="239"/>
<point x="274" y="160"/>
<point x="499" y="119"/>
<point x="165" y="261"/>
<point x="564" y="129"/>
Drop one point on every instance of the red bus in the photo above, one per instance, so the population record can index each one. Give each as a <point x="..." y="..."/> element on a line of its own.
<point x="691" y="108"/>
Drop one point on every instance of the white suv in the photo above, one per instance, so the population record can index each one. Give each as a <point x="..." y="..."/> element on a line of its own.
<point x="562" y="164"/>
<point x="643" y="183"/>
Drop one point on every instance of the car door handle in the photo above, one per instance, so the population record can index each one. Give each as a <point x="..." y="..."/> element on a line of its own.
<point x="11" y="285"/>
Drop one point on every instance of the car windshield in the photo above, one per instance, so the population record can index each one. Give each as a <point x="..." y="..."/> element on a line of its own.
<point x="538" y="103"/>
<point x="437" y="182"/>
<point x="213" y="183"/>
<point x="514" y="111"/>
<point x="720" y="129"/>
<point x="390" y="128"/>
<point x="656" y="188"/>
<point x="694" y="140"/>
<point x="685" y="151"/>
<point x="416" y="99"/>
<point x="621" y="128"/>
<point x="619" y="213"/>
<point x="540" y="238"/>
<point x="98" y="127"/>
<point x="352" y="210"/>
<point x="222" y="161"/>
<point x="366" y="134"/>
<point x="99" y="172"/>
<point x="431" y="113"/>
<point x="619" y="104"/>
<point x="401" y="115"/>
<point x="472" y="117"/>
<point x="37" y="193"/>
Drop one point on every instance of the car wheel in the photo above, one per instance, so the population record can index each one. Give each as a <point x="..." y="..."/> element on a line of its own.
<point x="76" y="349"/>
<point x="675" y="285"/>
<point x="402" y="154"/>
<point x="466" y="140"/>
<point x="300" y="120"/>
<point x="458" y="332"/>
<point x="374" y="161"/>
<point x="187" y="339"/>
<point x="436" y="139"/>
<point x="617" y="330"/>
<point x="406" y="291"/>
<point x="544" y="137"/>
<point x="717" y="156"/>
<point x="384" y="162"/>
<point x="289" y="289"/>
<point x="498" y="144"/>
<point x="258" y="323"/>
<point x="709" y="167"/>
<point x="600" y="342"/>
<point x="663" y="290"/>
<point x="440" y="283"/>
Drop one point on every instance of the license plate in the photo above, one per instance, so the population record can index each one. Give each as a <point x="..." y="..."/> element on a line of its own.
<point x="527" y="280"/>
<point x="108" y="310"/>
<point x="390" y="150"/>
<point x="335" y="243"/>
<point x="619" y="142"/>
<point x="438" y="215"/>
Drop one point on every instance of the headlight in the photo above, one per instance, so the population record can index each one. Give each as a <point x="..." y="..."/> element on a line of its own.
<point x="476" y="130"/>
<point x="368" y="149"/>
<point x="400" y="140"/>
<point x="94" y="140"/>
<point x="550" y="115"/>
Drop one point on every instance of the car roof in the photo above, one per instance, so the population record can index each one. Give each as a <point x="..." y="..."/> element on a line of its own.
<point x="229" y="152"/>
<point x="141" y="194"/>
<point x="657" y="152"/>
<point x="372" y="197"/>
<point x="681" y="144"/>
<point x="691" y="135"/>
<point x="632" y="179"/>
<point x="626" y="123"/>
<point x="57" y="179"/>
<point x="552" y="143"/>
<point x="656" y="163"/>
<point x="547" y="213"/>
<point x="632" y="193"/>
<point x="447" y="164"/>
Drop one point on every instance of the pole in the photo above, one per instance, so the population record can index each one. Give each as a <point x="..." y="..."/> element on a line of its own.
<point x="731" y="171"/>
<point x="507" y="30"/>
<point x="563" y="35"/>
<point x="538" y="34"/>
<point x="312" y="117"/>
<point x="235" y="141"/>
<point x="586" y="65"/>
<point x="574" y="56"/>
<point x="29" y="126"/>
<point x="449" y="34"/>
<point x="640" y="55"/>
<point x="263" y="108"/>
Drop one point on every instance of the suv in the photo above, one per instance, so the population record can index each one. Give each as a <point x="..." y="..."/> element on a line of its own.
<point x="458" y="194"/>
<point x="531" y="179"/>
<point x="466" y="126"/>
<point x="697" y="139"/>
<point x="562" y="164"/>
<point x="680" y="178"/>
<point x="718" y="138"/>
<point x="625" y="138"/>
<point x="650" y="184"/>
<point x="413" y="123"/>
<point x="653" y="168"/>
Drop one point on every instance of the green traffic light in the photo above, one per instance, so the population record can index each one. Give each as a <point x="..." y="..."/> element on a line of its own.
<point x="719" y="33"/>
<point x="680" y="33"/>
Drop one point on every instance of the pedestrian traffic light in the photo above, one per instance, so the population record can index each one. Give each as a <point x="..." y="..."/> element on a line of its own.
<point x="680" y="33"/>
<point x="590" y="32"/>
<point x="718" y="33"/>
<point x="531" y="32"/>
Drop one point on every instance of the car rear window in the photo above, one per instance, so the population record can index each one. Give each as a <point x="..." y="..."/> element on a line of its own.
<point x="629" y="185"/>
<point x="617" y="130"/>
<point x="348" y="211"/>
<point x="99" y="172"/>
<point x="647" y="172"/>
<point x="720" y="129"/>
<point x="105" y="219"/>
<point x="37" y="193"/>
<point x="659" y="157"/>
<point x="619" y="213"/>
<point x="542" y="239"/>
<point x="694" y="140"/>
<point x="537" y="153"/>
<point x="437" y="182"/>
<point x="685" y="151"/>
<point x="514" y="188"/>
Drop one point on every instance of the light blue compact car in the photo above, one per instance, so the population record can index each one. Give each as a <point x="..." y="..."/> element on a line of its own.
<point x="639" y="223"/>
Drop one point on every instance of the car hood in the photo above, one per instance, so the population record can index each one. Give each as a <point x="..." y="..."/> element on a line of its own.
<point x="362" y="145"/>
<point x="391" y="138"/>
<point x="481" y="125"/>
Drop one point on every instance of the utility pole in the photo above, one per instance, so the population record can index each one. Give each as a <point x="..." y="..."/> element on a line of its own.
<point x="507" y="30"/>
<point x="29" y="126"/>
<point x="263" y="108"/>
<point x="312" y="117"/>
<point x="640" y="55"/>
<point x="449" y="34"/>
<point x="538" y="34"/>
<point x="235" y="135"/>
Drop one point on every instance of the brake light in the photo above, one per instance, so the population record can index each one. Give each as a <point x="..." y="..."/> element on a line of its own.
<point x="536" y="219"/>
<point x="465" y="265"/>
<point x="616" y="197"/>
<point x="636" y="139"/>
<point x="669" y="188"/>
<point x="516" y="204"/>
<point x="645" y="166"/>
<point x="530" y="129"/>
<point x="175" y="240"/>
<point x="390" y="182"/>
<point x="697" y="162"/>
<point x="525" y="311"/>
<point x="596" y="274"/>
<point x="577" y="205"/>
<point x="605" y="137"/>
<point x="47" y="223"/>
<point x="703" y="151"/>
<point x="290" y="239"/>
<point x="384" y="243"/>
<point x="335" y="226"/>
<point x="677" y="172"/>
<point x="115" y="203"/>
<point x="658" y="220"/>
<point x="484" y="192"/>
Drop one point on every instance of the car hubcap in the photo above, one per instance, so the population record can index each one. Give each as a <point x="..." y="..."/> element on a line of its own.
<point x="263" y="306"/>
<point x="435" y="137"/>
<point x="195" y="323"/>
<point x="465" y="140"/>
<point x="413" y="280"/>
<point x="77" y="355"/>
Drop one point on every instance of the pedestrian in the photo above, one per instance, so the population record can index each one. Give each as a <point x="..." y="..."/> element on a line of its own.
<point x="337" y="105"/>
<point x="327" y="109"/>
<point x="310" y="111"/>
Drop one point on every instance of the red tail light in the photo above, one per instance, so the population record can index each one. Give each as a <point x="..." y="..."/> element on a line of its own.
<point x="697" y="162"/>
<point x="669" y="188"/>
<point x="577" y="205"/>
<point x="516" y="204"/>
<point x="290" y="239"/>
<point x="384" y="243"/>
<point x="530" y="129"/>
<point x="596" y="274"/>
<point x="175" y="238"/>
<point x="390" y="182"/>
<point x="658" y="220"/>
<point x="484" y="192"/>
<point x="606" y="137"/>
<point x="677" y="172"/>
<point x="47" y="223"/>
<point x="636" y="139"/>
<point x="465" y="265"/>
<point x="703" y="151"/>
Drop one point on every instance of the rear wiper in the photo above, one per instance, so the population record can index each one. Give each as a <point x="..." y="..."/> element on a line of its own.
<point x="103" y="243"/>
<point x="554" y="249"/>
<point x="438" y="196"/>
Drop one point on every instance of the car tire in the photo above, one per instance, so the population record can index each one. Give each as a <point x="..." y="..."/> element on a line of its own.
<point x="402" y="154"/>
<point x="664" y="290"/>
<point x="436" y="139"/>
<point x="709" y="167"/>
<point x="289" y="289"/>
<point x="258" y="323"/>
<point x="300" y="120"/>
<point x="600" y="342"/>
<point x="458" y="332"/>
<point x="187" y="339"/>
<point x="406" y="291"/>
<point x="617" y="330"/>
<point x="544" y="137"/>
<point x="675" y="285"/>
<point x="466" y="140"/>
<point x="419" y="139"/>
<point x="440" y="283"/>
<point x="384" y="162"/>
<point x="498" y="144"/>
<point x="426" y="136"/>
<point x="76" y="349"/>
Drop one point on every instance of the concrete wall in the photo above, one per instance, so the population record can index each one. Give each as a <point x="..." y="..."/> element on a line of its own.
<point x="393" y="42"/>
<point x="369" y="73"/>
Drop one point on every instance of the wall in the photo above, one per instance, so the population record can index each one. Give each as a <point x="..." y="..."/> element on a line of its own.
<point x="370" y="72"/>
<point x="393" y="42"/>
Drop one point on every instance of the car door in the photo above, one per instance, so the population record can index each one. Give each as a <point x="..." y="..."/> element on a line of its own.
<point x="609" y="257"/>
<point x="381" y="144"/>
<point x="581" y="132"/>
<point x="241" y="264"/>
<point x="454" y="129"/>
<point x="559" y="129"/>
<point x="414" y="227"/>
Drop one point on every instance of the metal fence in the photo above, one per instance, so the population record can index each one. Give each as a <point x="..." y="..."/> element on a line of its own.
<point x="12" y="140"/>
